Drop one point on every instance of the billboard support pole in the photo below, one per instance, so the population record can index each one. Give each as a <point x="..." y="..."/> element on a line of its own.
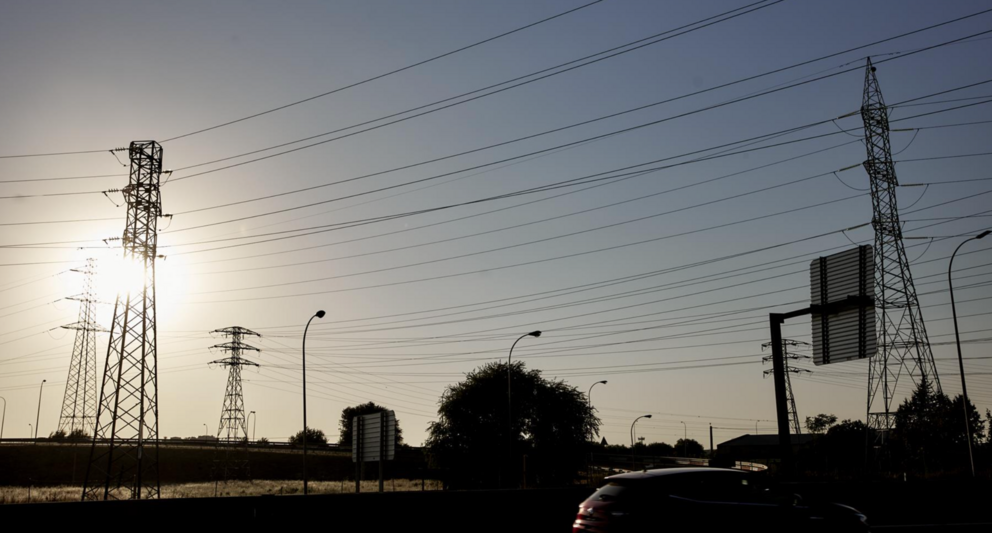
<point x="775" y="320"/>
<point x="382" y="447"/>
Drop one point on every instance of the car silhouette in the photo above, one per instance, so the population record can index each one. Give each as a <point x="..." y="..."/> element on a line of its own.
<point x="705" y="499"/>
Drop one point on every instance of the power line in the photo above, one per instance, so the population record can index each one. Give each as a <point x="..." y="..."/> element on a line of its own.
<point x="380" y="76"/>
<point x="636" y="243"/>
<point x="560" y="72"/>
<point x="538" y="189"/>
<point x="663" y="37"/>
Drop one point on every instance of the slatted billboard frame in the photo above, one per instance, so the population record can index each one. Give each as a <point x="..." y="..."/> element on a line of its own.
<point x="849" y="334"/>
<point x="373" y="437"/>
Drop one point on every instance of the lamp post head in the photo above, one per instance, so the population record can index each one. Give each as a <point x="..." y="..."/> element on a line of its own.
<point x="535" y="333"/>
<point x="983" y="234"/>
<point x="647" y="416"/>
<point x="320" y="314"/>
<point x="44" y="380"/>
<point x="602" y="382"/>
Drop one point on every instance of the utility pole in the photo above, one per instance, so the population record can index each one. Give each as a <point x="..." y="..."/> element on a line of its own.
<point x="903" y="346"/>
<point x="711" y="441"/>
<point x="233" y="431"/>
<point x="121" y="466"/>
<point x="79" y="401"/>
<point x="793" y="413"/>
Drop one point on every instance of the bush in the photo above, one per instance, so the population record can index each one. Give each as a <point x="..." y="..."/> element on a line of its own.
<point x="315" y="437"/>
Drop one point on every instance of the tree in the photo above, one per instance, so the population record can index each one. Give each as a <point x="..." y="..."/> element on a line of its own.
<point x="483" y="444"/>
<point x="264" y="441"/>
<point x="368" y="408"/>
<point x="659" y="449"/>
<point x="930" y="428"/>
<point x="315" y="437"/>
<point x="688" y="448"/>
<point x="57" y="435"/>
<point x="820" y="423"/>
<point x="79" y="434"/>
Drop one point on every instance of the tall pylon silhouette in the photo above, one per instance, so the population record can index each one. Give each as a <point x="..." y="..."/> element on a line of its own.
<point x="903" y="346"/>
<point x="79" y="402"/>
<point x="124" y="458"/>
<point x="232" y="433"/>
<point x="797" y="428"/>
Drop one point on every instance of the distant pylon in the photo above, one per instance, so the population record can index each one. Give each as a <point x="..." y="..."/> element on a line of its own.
<point x="233" y="431"/>
<point x="79" y="401"/>
<point x="121" y="465"/>
<point x="903" y="346"/>
<point x="789" y="370"/>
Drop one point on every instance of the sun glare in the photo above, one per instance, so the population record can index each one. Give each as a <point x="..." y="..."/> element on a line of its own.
<point x="120" y="277"/>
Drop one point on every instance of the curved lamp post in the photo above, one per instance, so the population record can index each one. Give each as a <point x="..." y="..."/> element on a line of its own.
<point x="589" y="397"/>
<point x="4" y="419"/>
<point x="318" y="314"/>
<point x="509" y="399"/>
<point x="253" y="425"/>
<point x="957" y="339"/>
<point x="685" y="439"/>
<point x="632" y="431"/>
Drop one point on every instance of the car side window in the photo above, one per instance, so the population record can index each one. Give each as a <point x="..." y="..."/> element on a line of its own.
<point x="716" y="487"/>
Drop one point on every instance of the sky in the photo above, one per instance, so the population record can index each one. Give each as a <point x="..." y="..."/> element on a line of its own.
<point x="416" y="302"/>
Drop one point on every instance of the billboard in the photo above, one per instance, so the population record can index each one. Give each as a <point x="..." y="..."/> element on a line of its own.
<point x="373" y="437"/>
<point x="843" y="333"/>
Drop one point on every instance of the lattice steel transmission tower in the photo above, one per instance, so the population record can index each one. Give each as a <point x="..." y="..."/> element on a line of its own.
<point x="789" y="370"/>
<point x="124" y="458"/>
<point x="79" y="401"/>
<point x="233" y="430"/>
<point x="903" y="346"/>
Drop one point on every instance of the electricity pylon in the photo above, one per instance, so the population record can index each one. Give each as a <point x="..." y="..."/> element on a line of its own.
<point x="79" y="401"/>
<point x="124" y="458"/>
<point x="789" y="370"/>
<point x="233" y="431"/>
<point x="903" y="346"/>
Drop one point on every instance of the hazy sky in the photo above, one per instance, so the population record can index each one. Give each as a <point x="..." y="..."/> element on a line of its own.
<point x="97" y="75"/>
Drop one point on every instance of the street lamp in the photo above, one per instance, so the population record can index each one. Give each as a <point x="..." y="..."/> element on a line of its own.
<point x="589" y="397"/>
<point x="632" y="431"/>
<point x="318" y="314"/>
<point x="206" y="431"/>
<point x="957" y="339"/>
<point x="509" y="400"/>
<point x="38" y="416"/>
<point x="685" y="439"/>
<point x="253" y="425"/>
<point x="4" y="419"/>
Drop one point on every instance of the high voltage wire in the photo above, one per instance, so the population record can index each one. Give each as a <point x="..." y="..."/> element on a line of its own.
<point x="573" y="181"/>
<point x="531" y="202"/>
<point x="532" y="262"/>
<point x="553" y="74"/>
<point x="395" y="71"/>
<point x="648" y="217"/>
<point x="638" y="292"/>
<point x="596" y="251"/>
<point x="663" y="37"/>
<point x="531" y="353"/>
<point x="543" y="151"/>
<point x="530" y="297"/>
<point x="587" y="314"/>
<point x="636" y="243"/>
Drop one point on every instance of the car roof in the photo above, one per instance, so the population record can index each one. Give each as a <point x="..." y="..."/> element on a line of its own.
<point x="665" y="472"/>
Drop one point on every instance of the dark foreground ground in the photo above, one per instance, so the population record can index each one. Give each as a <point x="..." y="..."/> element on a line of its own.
<point x="922" y="506"/>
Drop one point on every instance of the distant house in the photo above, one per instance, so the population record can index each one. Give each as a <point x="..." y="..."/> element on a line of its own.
<point x="757" y="447"/>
